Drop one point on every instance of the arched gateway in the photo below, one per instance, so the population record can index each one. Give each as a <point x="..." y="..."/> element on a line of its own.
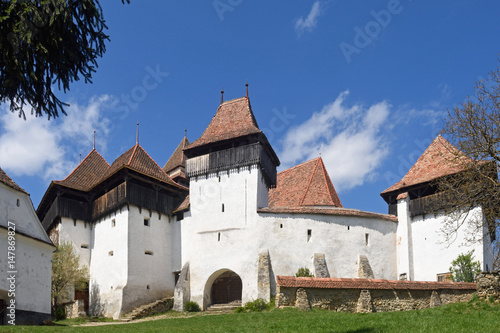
<point x="223" y="287"/>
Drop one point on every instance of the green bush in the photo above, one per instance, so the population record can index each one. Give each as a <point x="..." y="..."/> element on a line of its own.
<point x="304" y="272"/>
<point x="191" y="307"/>
<point x="60" y="313"/>
<point x="258" y="305"/>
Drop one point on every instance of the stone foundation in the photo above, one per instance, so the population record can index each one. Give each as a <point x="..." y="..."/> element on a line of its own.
<point x="364" y="295"/>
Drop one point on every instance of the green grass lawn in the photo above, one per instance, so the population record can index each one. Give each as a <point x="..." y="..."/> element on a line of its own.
<point x="463" y="317"/>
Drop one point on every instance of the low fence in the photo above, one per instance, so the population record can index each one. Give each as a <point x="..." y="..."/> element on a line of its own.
<point x="367" y="295"/>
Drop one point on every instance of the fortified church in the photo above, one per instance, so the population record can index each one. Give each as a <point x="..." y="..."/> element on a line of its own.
<point x="217" y="223"/>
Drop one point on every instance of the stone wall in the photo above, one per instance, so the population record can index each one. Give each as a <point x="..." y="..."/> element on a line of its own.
<point x="488" y="285"/>
<point x="364" y="295"/>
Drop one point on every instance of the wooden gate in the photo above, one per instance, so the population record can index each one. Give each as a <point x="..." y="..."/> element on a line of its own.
<point x="227" y="288"/>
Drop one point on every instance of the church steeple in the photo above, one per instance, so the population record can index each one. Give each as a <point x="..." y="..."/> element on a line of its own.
<point x="233" y="139"/>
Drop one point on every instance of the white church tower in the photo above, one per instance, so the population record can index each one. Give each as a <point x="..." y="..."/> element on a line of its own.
<point x="231" y="168"/>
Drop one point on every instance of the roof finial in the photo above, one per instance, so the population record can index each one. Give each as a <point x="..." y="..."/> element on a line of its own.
<point x="94" y="141"/>
<point x="137" y="135"/>
<point x="221" y="96"/>
<point x="246" y="85"/>
<point x="185" y="132"/>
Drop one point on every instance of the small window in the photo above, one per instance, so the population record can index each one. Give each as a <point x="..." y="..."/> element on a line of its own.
<point x="85" y="225"/>
<point x="348" y="227"/>
<point x="309" y="234"/>
<point x="146" y="222"/>
<point x="74" y="222"/>
<point x="367" y="239"/>
<point x="84" y="246"/>
<point x="218" y="237"/>
<point x="223" y="208"/>
<point x="113" y="223"/>
<point x="281" y="225"/>
<point x="149" y="253"/>
<point x="18" y="203"/>
<point x="110" y="253"/>
<point x="148" y="287"/>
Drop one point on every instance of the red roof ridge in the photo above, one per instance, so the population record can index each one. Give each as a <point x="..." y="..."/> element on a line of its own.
<point x="298" y="165"/>
<point x="439" y="159"/>
<point x="71" y="173"/>
<point x="163" y="171"/>
<point x="133" y="153"/>
<point x="325" y="174"/>
<point x="310" y="181"/>
<point x="5" y="179"/>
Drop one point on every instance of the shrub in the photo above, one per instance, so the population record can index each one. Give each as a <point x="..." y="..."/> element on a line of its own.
<point x="256" y="306"/>
<point x="60" y="313"/>
<point x="304" y="272"/>
<point x="191" y="307"/>
<point x="464" y="268"/>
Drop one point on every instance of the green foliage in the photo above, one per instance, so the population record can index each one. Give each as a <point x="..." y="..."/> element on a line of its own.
<point x="304" y="272"/>
<point x="46" y="42"/>
<point x="464" y="268"/>
<point x="191" y="307"/>
<point x="258" y="305"/>
<point x="60" y="313"/>
<point x="66" y="272"/>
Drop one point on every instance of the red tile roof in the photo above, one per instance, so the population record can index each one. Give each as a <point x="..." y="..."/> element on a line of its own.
<point x="137" y="159"/>
<point x="233" y="119"/>
<point x="87" y="174"/>
<point x="307" y="184"/>
<point x="343" y="283"/>
<point x="178" y="158"/>
<point x="336" y="211"/>
<point x="440" y="159"/>
<point x="4" y="179"/>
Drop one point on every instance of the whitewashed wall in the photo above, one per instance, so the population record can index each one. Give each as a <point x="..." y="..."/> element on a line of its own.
<point x="79" y="233"/>
<point x="33" y="255"/>
<point x="109" y="273"/>
<point x="432" y="255"/>
<point x="341" y="238"/>
<point x="144" y="270"/>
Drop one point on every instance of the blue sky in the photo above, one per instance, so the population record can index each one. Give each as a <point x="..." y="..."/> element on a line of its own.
<point x="364" y="83"/>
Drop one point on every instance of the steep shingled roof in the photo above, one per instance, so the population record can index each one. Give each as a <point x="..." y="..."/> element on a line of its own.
<point x="307" y="184"/>
<point x="137" y="159"/>
<point x="4" y="179"/>
<point x="233" y="119"/>
<point x="438" y="160"/>
<point x="87" y="174"/>
<point x="178" y="158"/>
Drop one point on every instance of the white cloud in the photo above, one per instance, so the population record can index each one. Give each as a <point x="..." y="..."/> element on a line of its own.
<point x="308" y="23"/>
<point x="51" y="148"/>
<point x="349" y="139"/>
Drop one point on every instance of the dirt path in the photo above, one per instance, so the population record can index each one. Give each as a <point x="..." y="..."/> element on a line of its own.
<point x="159" y="317"/>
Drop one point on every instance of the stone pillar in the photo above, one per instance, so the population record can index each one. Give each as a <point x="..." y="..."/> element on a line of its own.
<point x="404" y="243"/>
<point x="320" y="268"/>
<point x="263" y="279"/>
<point x="364" y="268"/>
<point x="301" y="301"/>
<point x="435" y="299"/>
<point x="364" y="302"/>
<point x="182" y="291"/>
